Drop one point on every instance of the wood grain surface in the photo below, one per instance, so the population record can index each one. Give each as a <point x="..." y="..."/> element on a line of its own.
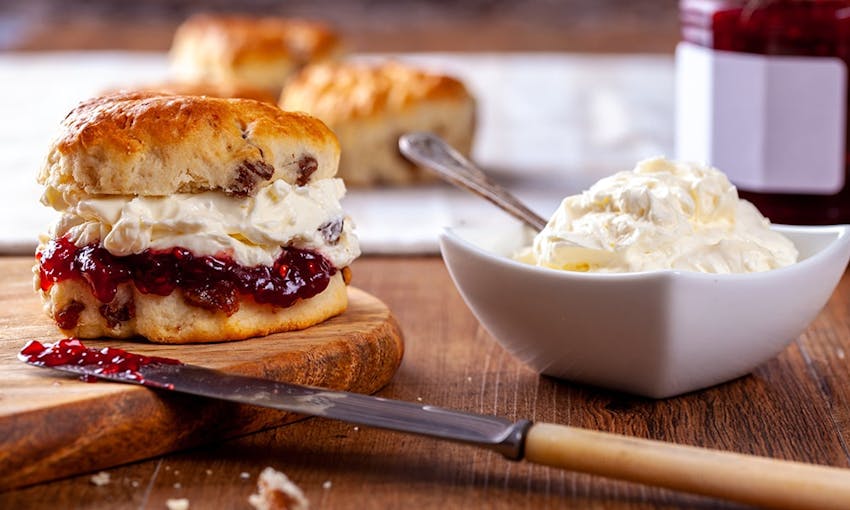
<point x="796" y="406"/>
<point x="54" y="425"/>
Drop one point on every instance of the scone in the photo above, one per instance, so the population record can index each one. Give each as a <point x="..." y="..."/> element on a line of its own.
<point x="192" y="219"/>
<point x="259" y="52"/>
<point x="370" y="106"/>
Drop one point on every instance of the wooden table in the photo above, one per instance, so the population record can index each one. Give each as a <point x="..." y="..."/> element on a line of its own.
<point x="796" y="406"/>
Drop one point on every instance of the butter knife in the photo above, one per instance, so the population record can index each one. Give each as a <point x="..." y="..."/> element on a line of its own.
<point x="761" y="481"/>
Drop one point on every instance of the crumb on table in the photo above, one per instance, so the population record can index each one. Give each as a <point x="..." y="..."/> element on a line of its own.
<point x="100" y="479"/>
<point x="275" y="491"/>
<point x="177" y="504"/>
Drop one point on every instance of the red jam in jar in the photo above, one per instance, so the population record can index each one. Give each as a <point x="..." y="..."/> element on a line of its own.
<point x="787" y="28"/>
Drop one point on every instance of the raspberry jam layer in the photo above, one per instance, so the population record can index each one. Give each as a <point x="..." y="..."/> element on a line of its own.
<point x="213" y="283"/>
<point x="108" y="361"/>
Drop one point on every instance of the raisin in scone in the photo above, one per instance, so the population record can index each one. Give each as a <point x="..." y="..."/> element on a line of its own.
<point x="192" y="219"/>
<point x="260" y="52"/>
<point x="369" y="106"/>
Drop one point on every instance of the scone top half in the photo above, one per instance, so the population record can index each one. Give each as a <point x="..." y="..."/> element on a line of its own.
<point x="148" y="143"/>
<point x="227" y="209"/>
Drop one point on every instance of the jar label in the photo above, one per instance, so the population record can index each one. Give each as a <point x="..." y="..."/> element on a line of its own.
<point x="773" y="124"/>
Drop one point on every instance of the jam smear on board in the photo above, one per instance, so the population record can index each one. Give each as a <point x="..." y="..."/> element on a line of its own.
<point x="210" y="282"/>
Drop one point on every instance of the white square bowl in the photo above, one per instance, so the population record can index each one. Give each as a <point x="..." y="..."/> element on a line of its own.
<point x="656" y="334"/>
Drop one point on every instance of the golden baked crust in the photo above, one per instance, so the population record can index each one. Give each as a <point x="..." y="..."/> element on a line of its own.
<point x="170" y="320"/>
<point x="369" y="106"/>
<point x="204" y="88"/>
<point x="346" y="90"/>
<point x="147" y="143"/>
<point x="260" y="51"/>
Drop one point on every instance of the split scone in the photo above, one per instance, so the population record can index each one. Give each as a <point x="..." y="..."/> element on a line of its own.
<point x="259" y="52"/>
<point x="192" y="219"/>
<point x="369" y="106"/>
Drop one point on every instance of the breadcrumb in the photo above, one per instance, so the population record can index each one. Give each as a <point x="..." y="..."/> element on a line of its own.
<point x="100" y="479"/>
<point x="275" y="491"/>
<point x="177" y="504"/>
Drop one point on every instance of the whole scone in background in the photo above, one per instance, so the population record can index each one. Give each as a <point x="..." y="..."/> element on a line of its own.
<point x="369" y="106"/>
<point x="257" y="52"/>
<point x="143" y="171"/>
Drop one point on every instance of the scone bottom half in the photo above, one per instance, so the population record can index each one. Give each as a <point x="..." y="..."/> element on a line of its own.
<point x="177" y="295"/>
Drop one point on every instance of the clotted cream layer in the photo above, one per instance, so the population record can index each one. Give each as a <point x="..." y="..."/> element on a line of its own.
<point x="661" y="215"/>
<point x="251" y="229"/>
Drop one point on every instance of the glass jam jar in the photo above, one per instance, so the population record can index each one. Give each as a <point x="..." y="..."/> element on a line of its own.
<point x="762" y="95"/>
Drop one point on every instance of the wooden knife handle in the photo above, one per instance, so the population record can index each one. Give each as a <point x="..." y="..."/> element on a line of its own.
<point x="748" y="479"/>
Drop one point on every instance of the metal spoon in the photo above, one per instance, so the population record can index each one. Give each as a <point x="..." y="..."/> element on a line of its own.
<point x="430" y="151"/>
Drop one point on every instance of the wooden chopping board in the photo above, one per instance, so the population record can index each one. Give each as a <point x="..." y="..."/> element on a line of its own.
<point x="53" y="425"/>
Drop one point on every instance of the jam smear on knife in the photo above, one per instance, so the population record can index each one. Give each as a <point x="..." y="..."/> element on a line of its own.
<point x="108" y="360"/>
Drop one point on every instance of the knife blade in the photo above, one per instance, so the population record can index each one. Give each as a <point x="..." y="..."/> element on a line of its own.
<point x="491" y="432"/>
<point x="761" y="481"/>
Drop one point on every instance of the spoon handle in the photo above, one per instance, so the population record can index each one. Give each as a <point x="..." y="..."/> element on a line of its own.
<point x="430" y="151"/>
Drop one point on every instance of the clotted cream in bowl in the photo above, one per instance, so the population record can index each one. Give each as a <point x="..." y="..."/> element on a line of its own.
<point x="656" y="283"/>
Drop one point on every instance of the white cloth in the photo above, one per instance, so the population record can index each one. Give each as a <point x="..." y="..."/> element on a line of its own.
<point x="549" y="125"/>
